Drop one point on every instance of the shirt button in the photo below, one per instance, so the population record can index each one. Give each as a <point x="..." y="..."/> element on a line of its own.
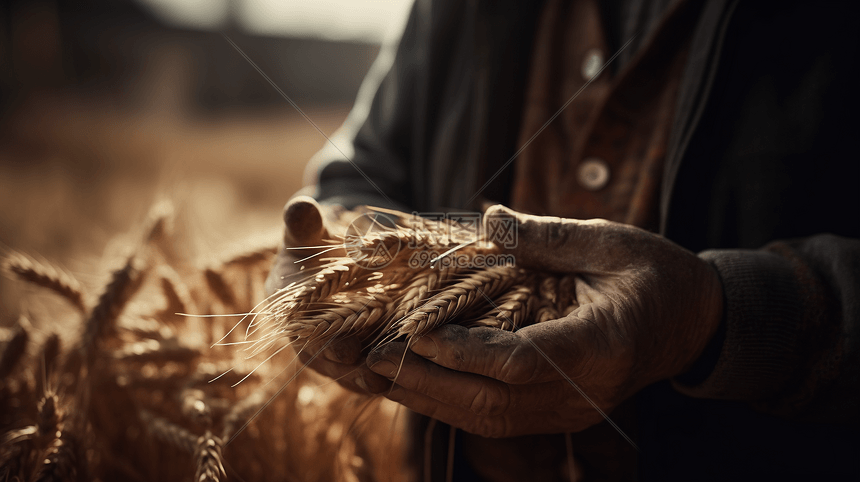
<point x="593" y="174"/>
<point x="592" y="63"/>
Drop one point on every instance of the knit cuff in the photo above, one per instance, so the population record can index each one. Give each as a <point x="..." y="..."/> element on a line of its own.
<point x="762" y="325"/>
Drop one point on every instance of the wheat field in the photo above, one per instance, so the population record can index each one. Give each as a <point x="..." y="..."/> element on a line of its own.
<point x="124" y="388"/>
<point x="176" y="370"/>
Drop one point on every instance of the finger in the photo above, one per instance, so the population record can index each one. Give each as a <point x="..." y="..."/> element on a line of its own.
<point x="280" y="274"/>
<point x="522" y="357"/>
<point x="304" y="222"/>
<point x="342" y="350"/>
<point x="477" y="394"/>
<point x="508" y="425"/>
<point x="557" y="244"/>
<point x="358" y="377"/>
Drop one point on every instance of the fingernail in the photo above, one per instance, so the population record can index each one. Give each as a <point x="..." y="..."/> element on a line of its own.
<point x="426" y="347"/>
<point x="384" y="368"/>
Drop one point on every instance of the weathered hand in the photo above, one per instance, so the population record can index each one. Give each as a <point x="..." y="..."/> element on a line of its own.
<point x="647" y="308"/>
<point x="308" y="225"/>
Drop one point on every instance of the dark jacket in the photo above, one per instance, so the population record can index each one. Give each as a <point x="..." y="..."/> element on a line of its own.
<point x="761" y="178"/>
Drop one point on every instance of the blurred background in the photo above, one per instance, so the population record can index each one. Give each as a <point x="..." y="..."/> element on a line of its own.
<point x="107" y="106"/>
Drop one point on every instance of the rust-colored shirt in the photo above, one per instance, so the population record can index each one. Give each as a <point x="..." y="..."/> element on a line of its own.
<point x="602" y="157"/>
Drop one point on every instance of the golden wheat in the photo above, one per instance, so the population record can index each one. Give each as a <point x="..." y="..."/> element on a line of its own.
<point x="14" y="350"/>
<point x="142" y="383"/>
<point x="48" y="276"/>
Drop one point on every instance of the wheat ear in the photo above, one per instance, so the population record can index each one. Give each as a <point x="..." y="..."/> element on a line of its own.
<point x="48" y="415"/>
<point x="469" y="293"/>
<point x="170" y="350"/>
<point x="49" y="352"/>
<point x="169" y="432"/>
<point x="61" y="461"/>
<point x="219" y="287"/>
<point x="47" y="276"/>
<point x="512" y="308"/>
<point x="124" y="283"/>
<point x="160" y="222"/>
<point x="210" y="464"/>
<point x="176" y="292"/>
<point x="194" y="406"/>
<point x="566" y="295"/>
<point x="14" y="350"/>
<point x="250" y="258"/>
<point x="547" y="311"/>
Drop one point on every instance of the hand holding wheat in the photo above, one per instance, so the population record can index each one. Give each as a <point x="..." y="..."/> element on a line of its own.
<point x="645" y="309"/>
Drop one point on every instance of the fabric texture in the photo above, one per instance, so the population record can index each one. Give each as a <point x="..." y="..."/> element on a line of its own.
<point x="759" y="176"/>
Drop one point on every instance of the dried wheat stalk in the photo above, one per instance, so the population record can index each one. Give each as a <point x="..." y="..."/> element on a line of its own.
<point x="457" y="299"/>
<point x="195" y="406"/>
<point x="220" y="287"/>
<point x="342" y="297"/>
<point x="175" y="291"/>
<point x="155" y="351"/>
<point x="14" y="350"/>
<point x="123" y="285"/>
<point x="257" y="256"/>
<point x="61" y="461"/>
<point x="47" y="276"/>
<point x="149" y="380"/>
<point x="512" y="308"/>
<point x="168" y="432"/>
<point x="48" y="419"/>
<point x="210" y="465"/>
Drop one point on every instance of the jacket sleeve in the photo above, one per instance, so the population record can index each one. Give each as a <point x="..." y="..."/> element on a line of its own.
<point x="367" y="160"/>
<point x="790" y="334"/>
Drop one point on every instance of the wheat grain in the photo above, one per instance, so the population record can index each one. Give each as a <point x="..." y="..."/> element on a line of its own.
<point x="194" y="406"/>
<point x="168" y="432"/>
<point x="250" y="258"/>
<point x="467" y="294"/>
<point x="44" y="367"/>
<point x="14" y="350"/>
<point x="15" y="454"/>
<point x="160" y="222"/>
<point x="47" y="276"/>
<point x="170" y="350"/>
<point x="512" y="308"/>
<point x="566" y="295"/>
<point x="176" y="292"/>
<point x="419" y="289"/>
<point x="355" y="315"/>
<point x="549" y="295"/>
<point x="549" y="289"/>
<point x="61" y="461"/>
<point x="48" y="415"/>
<point x="210" y="465"/>
<point x="145" y="327"/>
<point x="124" y="283"/>
<point x="219" y="287"/>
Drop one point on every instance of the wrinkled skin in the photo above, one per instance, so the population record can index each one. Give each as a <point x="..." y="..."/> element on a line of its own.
<point x="647" y="308"/>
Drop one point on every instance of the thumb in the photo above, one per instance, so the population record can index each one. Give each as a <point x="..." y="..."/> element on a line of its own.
<point x="303" y="223"/>
<point x="547" y="243"/>
<point x="531" y="355"/>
